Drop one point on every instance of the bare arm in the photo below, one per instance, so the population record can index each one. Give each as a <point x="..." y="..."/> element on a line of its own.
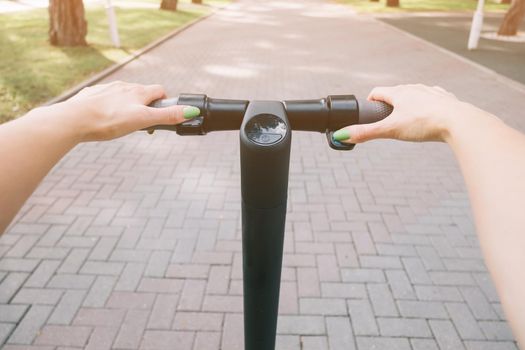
<point x="31" y="145"/>
<point x="492" y="159"/>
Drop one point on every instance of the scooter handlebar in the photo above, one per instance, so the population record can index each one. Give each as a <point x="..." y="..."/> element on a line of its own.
<point x="322" y="115"/>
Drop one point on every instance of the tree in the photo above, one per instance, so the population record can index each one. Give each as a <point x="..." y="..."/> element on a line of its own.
<point x="196" y="1"/>
<point x="67" y="23"/>
<point x="512" y="19"/>
<point x="392" y="3"/>
<point x="169" y="5"/>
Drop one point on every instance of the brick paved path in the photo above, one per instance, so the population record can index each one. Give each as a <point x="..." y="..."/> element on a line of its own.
<point x="135" y="243"/>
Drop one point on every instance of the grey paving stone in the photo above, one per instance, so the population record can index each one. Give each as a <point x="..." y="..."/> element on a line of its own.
<point x="11" y="284"/>
<point x="343" y="290"/>
<point x="18" y="264"/>
<point x="288" y="299"/>
<point x="445" y="334"/>
<point x="99" y="317"/>
<point x="233" y="332"/>
<point x="464" y="322"/>
<point x="311" y="325"/>
<point x="496" y="330"/>
<point x="285" y="342"/>
<point x="12" y="313"/>
<point x="362" y="317"/>
<point x="218" y="280"/>
<point x="445" y="278"/>
<point x="437" y="293"/>
<point x="403" y="327"/>
<point x="71" y="281"/>
<point x="63" y="336"/>
<point x="363" y="275"/>
<point x="161" y="285"/>
<point x="364" y="343"/>
<point x="102" y="338"/>
<point x="416" y="271"/>
<point x="219" y="303"/>
<point x="400" y="285"/>
<point x="314" y="342"/>
<point x="67" y="308"/>
<point x="131" y="332"/>
<point x="193" y="321"/>
<point x="22" y="246"/>
<point x="130" y="300"/>
<point x="130" y="277"/>
<point x="479" y="305"/>
<point x="207" y="341"/>
<point x="158" y="264"/>
<point x="340" y="335"/>
<point x="103" y="248"/>
<point x="5" y="331"/>
<point x="42" y="274"/>
<point x="308" y="282"/>
<point x="319" y="306"/>
<point x="490" y="345"/>
<point x="74" y="260"/>
<point x="165" y="339"/>
<point x="382" y="300"/>
<point x="422" y="309"/>
<point x="192" y="295"/>
<point x="102" y="268"/>
<point x="328" y="268"/>
<point x="163" y="312"/>
<point x="100" y="291"/>
<point x="38" y="296"/>
<point x="423" y="344"/>
<point x="30" y="325"/>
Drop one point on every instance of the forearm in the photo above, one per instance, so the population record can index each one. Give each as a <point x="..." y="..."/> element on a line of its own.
<point x="29" y="148"/>
<point x="492" y="159"/>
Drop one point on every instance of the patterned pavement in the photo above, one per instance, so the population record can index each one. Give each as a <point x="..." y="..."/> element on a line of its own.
<point x="135" y="243"/>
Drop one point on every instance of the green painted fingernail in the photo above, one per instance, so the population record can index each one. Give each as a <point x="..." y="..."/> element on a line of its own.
<point x="341" y="135"/>
<point x="191" y="112"/>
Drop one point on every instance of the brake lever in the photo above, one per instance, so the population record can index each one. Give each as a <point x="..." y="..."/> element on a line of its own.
<point x="338" y="146"/>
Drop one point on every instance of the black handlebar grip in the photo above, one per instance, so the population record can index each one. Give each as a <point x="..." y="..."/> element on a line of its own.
<point x="167" y="102"/>
<point x="373" y="111"/>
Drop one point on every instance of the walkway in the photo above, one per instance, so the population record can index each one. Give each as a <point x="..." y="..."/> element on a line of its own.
<point x="451" y="31"/>
<point x="135" y="243"/>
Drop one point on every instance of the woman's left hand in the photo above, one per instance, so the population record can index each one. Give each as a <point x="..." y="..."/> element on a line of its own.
<point x="105" y="112"/>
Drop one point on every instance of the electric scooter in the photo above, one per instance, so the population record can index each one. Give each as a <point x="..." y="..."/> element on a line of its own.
<point x="265" y="139"/>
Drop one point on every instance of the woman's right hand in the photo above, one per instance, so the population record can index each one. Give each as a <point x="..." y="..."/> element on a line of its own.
<point x="421" y="113"/>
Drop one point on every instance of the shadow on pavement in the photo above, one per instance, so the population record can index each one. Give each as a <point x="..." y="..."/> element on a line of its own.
<point x="451" y="32"/>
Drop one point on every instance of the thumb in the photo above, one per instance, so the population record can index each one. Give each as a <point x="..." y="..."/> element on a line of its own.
<point x="363" y="132"/>
<point x="170" y="115"/>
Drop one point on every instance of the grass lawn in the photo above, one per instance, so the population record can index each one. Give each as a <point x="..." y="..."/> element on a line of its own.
<point x="423" y="5"/>
<point x="32" y="71"/>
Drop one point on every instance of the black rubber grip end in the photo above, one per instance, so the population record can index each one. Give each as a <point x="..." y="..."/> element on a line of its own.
<point x="373" y="111"/>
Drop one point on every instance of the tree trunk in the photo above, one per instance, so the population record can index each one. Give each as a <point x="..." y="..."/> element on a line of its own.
<point x="374" y="0"/>
<point x="196" y="1"/>
<point x="513" y="18"/>
<point x="392" y="3"/>
<point x="169" y="5"/>
<point x="504" y="2"/>
<point x="67" y="23"/>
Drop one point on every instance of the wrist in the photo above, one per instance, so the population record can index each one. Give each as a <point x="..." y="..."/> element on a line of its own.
<point x="470" y="121"/>
<point x="58" y="119"/>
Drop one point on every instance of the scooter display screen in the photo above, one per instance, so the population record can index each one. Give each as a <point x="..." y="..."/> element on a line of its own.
<point x="266" y="129"/>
